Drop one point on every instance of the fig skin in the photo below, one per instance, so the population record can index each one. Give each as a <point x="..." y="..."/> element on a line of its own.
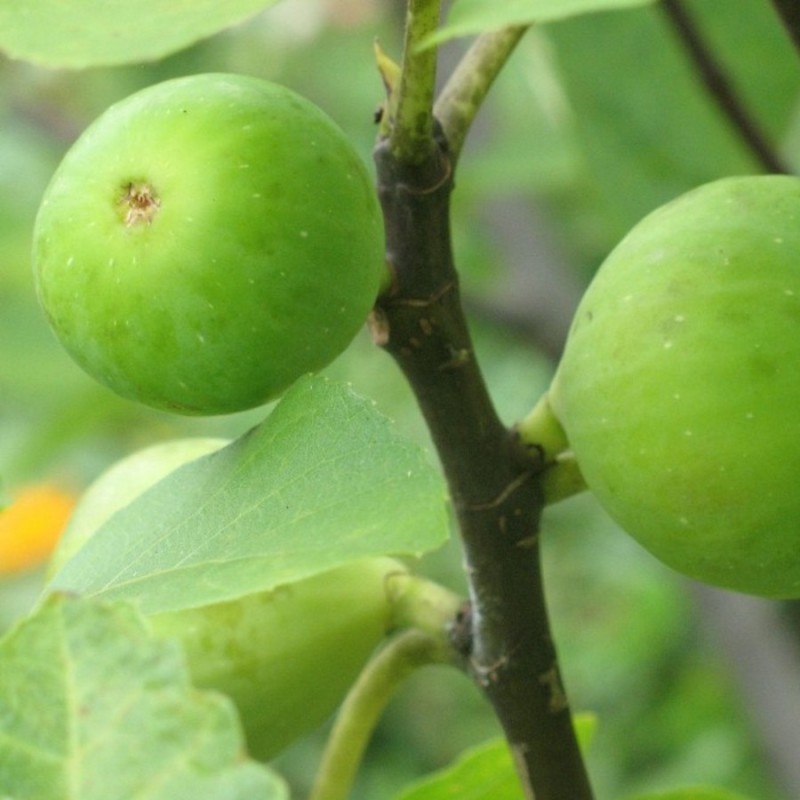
<point x="679" y="387"/>
<point x="207" y="241"/>
<point x="287" y="657"/>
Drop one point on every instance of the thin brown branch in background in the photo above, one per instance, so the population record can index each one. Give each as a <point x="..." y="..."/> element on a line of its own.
<point x="719" y="85"/>
<point x="789" y="12"/>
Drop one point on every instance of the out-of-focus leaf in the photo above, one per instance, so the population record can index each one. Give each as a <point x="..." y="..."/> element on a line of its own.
<point x="486" y="772"/>
<point x="692" y="793"/>
<point x="468" y="17"/>
<point x="649" y="128"/>
<point x="90" y="33"/>
<point x="324" y="480"/>
<point x="94" y="708"/>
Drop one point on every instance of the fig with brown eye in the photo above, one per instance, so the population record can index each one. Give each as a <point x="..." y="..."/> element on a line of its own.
<point x="206" y="242"/>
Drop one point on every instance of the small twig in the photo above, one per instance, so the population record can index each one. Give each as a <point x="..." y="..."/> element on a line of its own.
<point x="364" y="705"/>
<point x="720" y="87"/>
<point x="789" y="12"/>
<point x="410" y="104"/>
<point x="465" y="90"/>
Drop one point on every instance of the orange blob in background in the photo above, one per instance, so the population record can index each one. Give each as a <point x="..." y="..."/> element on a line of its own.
<point x="31" y="526"/>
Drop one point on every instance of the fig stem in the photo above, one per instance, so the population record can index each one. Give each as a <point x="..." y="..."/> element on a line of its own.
<point x="562" y="479"/>
<point x="462" y="95"/>
<point x="364" y="704"/>
<point x="409" y="107"/>
<point x="419" y="603"/>
<point x="541" y="430"/>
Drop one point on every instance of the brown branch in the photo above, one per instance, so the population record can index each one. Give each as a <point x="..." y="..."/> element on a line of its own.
<point x="493" y="480"/>
<point x="720" y="87"/>
<point x="789" y="13"/>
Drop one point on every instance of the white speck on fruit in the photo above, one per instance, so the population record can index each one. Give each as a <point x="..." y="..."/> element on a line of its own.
<point x="778" y="240"/>
<point x="244" y="166"/>
<point x="688" y="433"/>
<point x="70" y="261"/>
<point x="676" y="396"/>
<point x="256" y="195"/>
<point x="201" y="338"/>
<point x="683" y="521"/>
<point x="679" y="318"/>
<point x="303" y="234"/>
<point x="749" y="415"/>
<point x="789" y="292"/>
<point x="668" y="344"/>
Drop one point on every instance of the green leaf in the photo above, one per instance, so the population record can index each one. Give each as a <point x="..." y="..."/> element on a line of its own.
<point x="486" y="772"/>
<point x="467" y="17"/>
<point x="90" y="33"/>
<point x="692" y="793"/>
<point x="326" y="479"/>
<point x="648" y="127"/>
<point x="93" y="708"/>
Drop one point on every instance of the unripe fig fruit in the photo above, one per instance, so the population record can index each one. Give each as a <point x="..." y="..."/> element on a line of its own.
<point x="206" y="241"/>
<point x="285" y="657"/>
<point x="679" y="388"/>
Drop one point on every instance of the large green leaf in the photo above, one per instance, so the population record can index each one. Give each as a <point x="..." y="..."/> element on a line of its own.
<point x="326" y="479"/>
<point x="93" y="708"/>
<point x="88" y="33"/>
<point x="648" y="126"/>
<point x="468" y="17"/>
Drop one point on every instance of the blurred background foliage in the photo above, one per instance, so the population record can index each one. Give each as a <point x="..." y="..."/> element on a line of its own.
<point x="595" y="121"/>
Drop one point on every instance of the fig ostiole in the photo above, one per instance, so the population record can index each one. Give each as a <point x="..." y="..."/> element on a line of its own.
<point x="207" y="241"/>
<point x="679" y="387"/>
